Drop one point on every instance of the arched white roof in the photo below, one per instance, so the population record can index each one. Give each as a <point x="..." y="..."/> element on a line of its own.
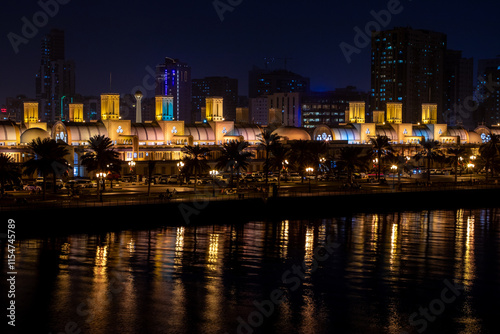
<point x="200" y="132"/>
<point x="422" y="131"/>
<point x="292" y="133"/>
<point x="9" y="131"/>
<point x="30" y="134"/>
<point x="458" y="131"/>
<point x="345" y="132"/>
<point x="388" y="131"/>
<point x="147" y="132"/>
<point x="85" y="131"/>
<point x="249" y="132"/>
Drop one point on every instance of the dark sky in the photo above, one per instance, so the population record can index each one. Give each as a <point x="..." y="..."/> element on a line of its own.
<point x="127" y="37"/>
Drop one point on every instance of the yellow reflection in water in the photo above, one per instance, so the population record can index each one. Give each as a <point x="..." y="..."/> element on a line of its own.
<point x="374" y="234"/>
<point x="394" y="245"/>
<point x="101" y="260"/>
<point x="308" y="257"/>
<point x="469" y="270"/>
<point x="213" y="252"/>
<point x="284" y="230"/>
<point x="179" y="247"/>
<point x="131" y="246"/>
<point x="64" y="256"/>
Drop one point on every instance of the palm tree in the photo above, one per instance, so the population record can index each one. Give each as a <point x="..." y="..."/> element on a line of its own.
<point x="454" y="156"/>
<point x="352" y="159"/>
<point x="381" y="146"/>
<point x="318" y="151"/>
<point x="101" y="155"/>
<point x="488" y="153"/>
<point x="267" y="140"/>
<point x="48" y="159"/>
<point x="234" y="157"/>
<point x="195" y="161"/>
<point x="430" y="152"/>
<point x="300" y="156"/>
<point x="279" y="154"/>
<point x="151" y="168"/>
<point x="8" y="171"/>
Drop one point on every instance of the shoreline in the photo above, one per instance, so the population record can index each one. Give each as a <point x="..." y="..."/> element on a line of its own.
<point x="46" y="222"/>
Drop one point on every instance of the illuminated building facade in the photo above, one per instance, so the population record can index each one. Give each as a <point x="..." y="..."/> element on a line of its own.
<point x="174" y="78"/>
<point x="224" y="87"/>
<point x="407" y="66"/>
<point x="162" y="140"/>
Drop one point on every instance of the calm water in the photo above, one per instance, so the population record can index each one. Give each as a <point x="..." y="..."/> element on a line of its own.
<point x="432" y="272"/>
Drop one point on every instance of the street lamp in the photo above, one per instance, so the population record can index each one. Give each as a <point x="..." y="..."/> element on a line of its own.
<point x="180" y="165"/>
<point x="131" y="165"/>
<point x="470" y="166"/>
<point x="394" y="168"/>
<point x="99" y="177"/>
<point x="214" y="174"/>
<point x="309" y="170"/>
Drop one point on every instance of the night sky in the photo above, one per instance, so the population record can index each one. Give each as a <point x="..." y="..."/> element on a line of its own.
<point x="127" y="37"/>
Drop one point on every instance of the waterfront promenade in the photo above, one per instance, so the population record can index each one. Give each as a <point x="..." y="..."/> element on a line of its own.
<point x="131" y="207"/>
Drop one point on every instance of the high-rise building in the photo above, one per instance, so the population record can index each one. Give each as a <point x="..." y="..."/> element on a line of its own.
<point x="259" y="110"/>
<point x="289" y="106"/>
<point x="407" y="66"/>
<point x="329" y="108"/>
<point x="266" y="82"/>
<point x="224" y="87"/>
<point x="458" y="88"/>
<point x="55" y="80"/>
<point x="488" y="91"/>
<point x="174" y="78"/>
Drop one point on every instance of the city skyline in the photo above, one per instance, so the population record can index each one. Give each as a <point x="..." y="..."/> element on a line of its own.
<point x="126" y="42"/>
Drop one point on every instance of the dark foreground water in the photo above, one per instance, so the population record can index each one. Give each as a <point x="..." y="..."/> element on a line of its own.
<point x="431" y="271"/>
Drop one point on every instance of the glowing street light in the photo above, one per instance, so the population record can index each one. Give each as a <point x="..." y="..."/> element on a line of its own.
<point x="394" y="168"/>
<point x="309" y="170"/>
<point x="471" y="167"/>
<point x="214" y="173"/>
<point x="180" y="165"/>
<point x="99" y="177"/>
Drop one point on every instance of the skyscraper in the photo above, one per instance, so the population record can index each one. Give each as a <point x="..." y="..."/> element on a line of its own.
<point x="174" y="78"/>
<point x="225" y="87"/>
<point x="488" y="91"/>
<point x="55" y="80"/>
<point x="407" y="66"/>
<point x="267" y="82"/>
<point x="458" y="87"/>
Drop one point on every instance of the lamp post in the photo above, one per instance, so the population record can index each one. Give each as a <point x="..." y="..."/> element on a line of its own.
<point x="394" y="168"/>
<point x="309" y="170"/>
<point x="214" y="174"/>
<point x="99" y="177"/>
<point x="471" y="169"/>
<point x="180" y="165"/>
<point x="131" y="165"/>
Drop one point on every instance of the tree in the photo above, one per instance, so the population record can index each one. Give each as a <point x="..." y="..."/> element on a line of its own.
<point x="318" y="151"/>
<point x="234" y="157"/>
<point x="455" y="154"/>
<point x="48" y="159"/>
<point x="352" y="159"/>
<point x="195" y="161"/>
<point x="300" y="156"/>
<point x="267" y="140"/>
<point x="101" y="156"/>
<point x="488" y="153"/>
<point x="279" y="154"/>
<point x="430" y="152"/>
<point x="151" y="168"/>
<point x="381" y="146"/>
<point x="8" y="171"/>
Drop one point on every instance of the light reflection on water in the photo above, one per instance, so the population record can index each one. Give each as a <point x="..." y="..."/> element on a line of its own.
<point x="218" y="279"/>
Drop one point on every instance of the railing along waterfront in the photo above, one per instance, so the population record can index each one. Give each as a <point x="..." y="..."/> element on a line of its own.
<point x="30" y="203"/>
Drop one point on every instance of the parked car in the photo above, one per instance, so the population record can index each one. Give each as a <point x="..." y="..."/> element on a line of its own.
<point x="173" y="179"/>
<point x="294" y="177"/>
